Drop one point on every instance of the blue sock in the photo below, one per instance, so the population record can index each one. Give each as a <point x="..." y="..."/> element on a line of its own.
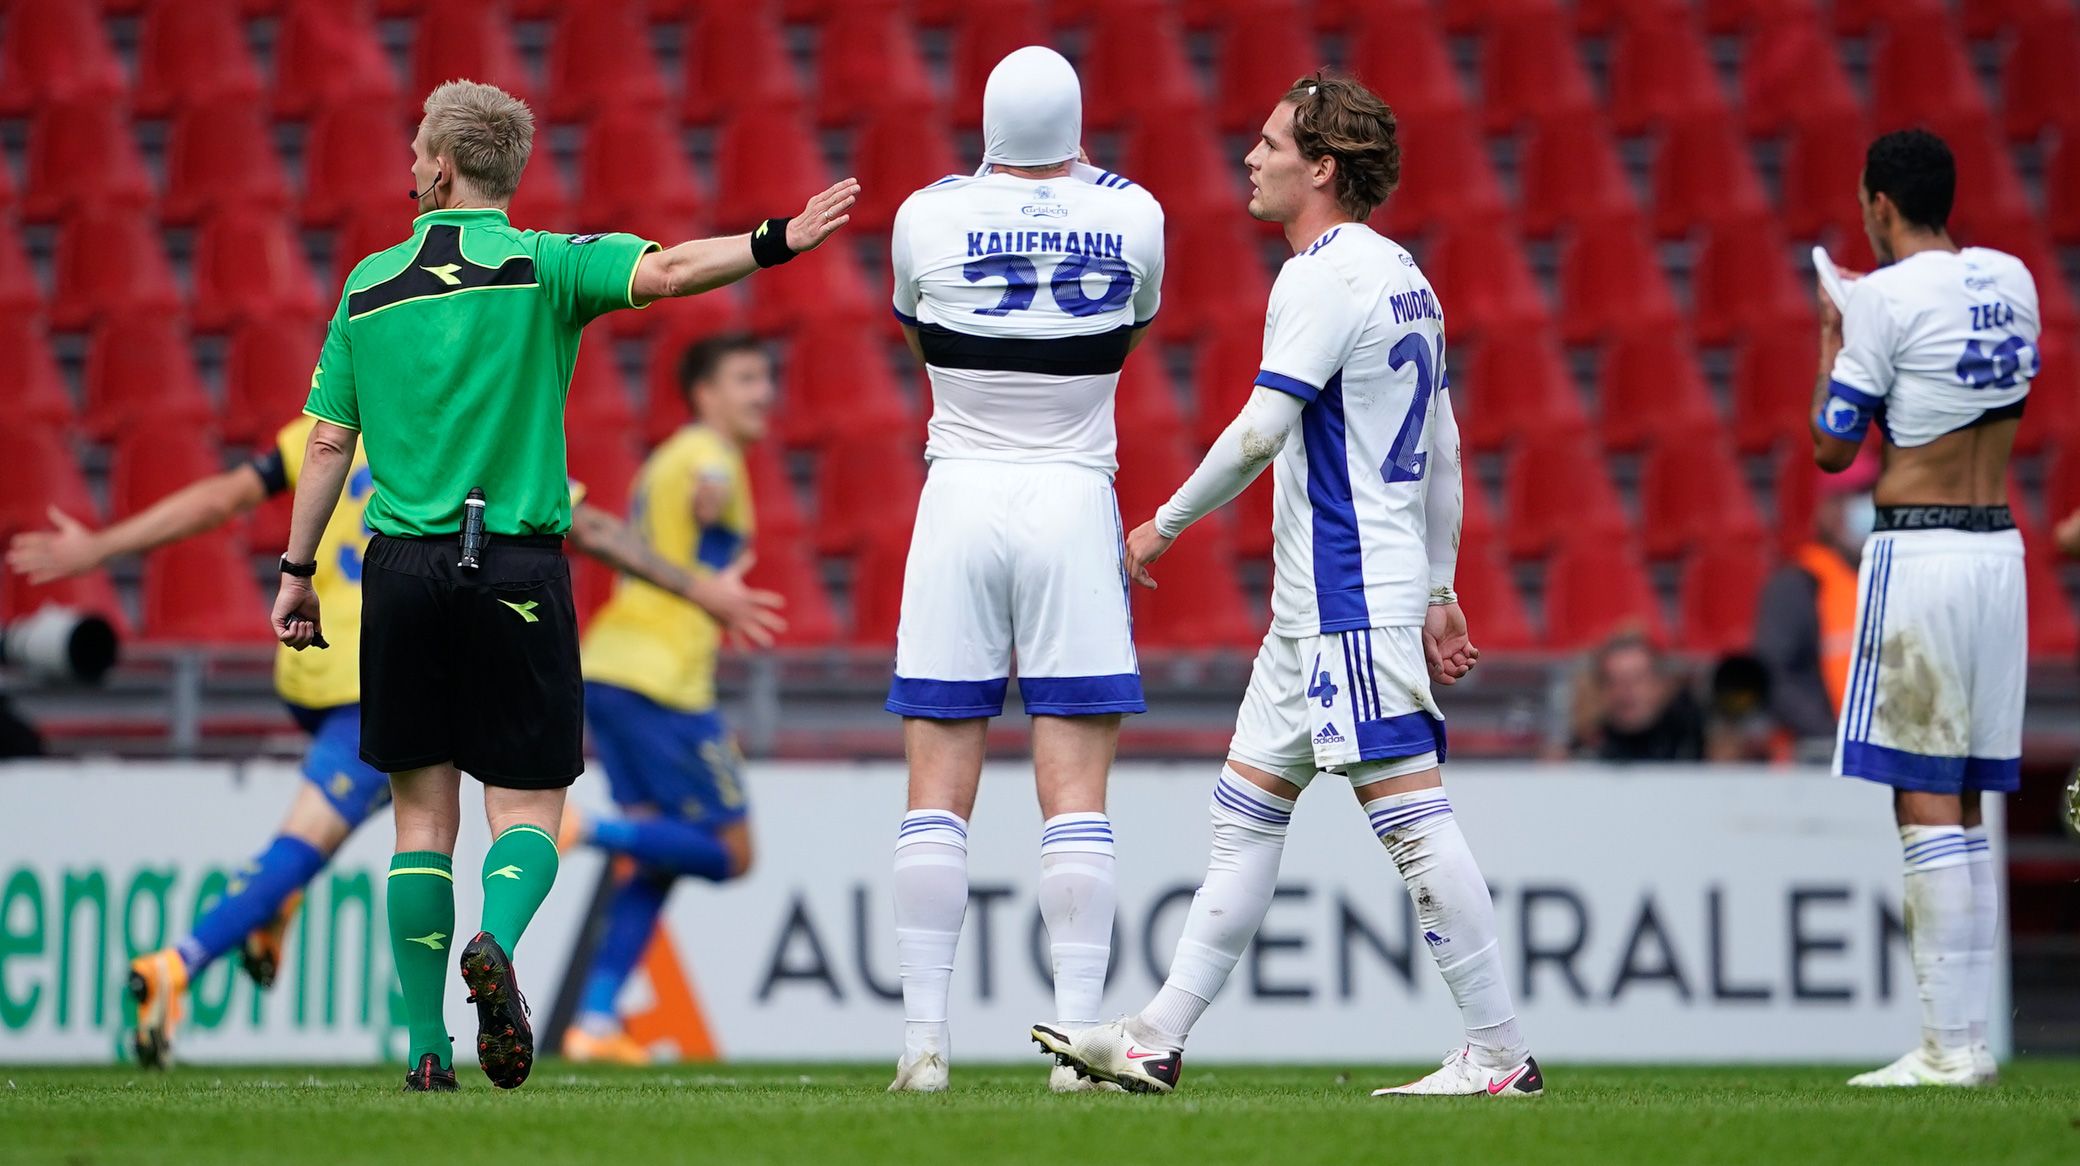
<point x="631" y="917"/>
<point x="679" y="847"/>
<point x="256" y="892"/>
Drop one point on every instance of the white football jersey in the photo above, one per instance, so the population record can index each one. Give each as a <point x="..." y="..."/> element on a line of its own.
<point x="1355" y="331"/>
<point x="1025" y="293"/>
<point x="1933" y="343"/>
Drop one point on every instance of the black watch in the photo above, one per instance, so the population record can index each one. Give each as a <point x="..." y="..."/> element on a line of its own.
<point x="300" y="570"/>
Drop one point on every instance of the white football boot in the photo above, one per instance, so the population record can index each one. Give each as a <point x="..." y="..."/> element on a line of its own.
<point x="1922" y="1067"/>
<point x="1113" y="1052"/>
<point x="1985" y="1069"/>
<point x="1063" y="1079"/>
<point x="924" y="1072"/>
<point x="1462" y="1077"/>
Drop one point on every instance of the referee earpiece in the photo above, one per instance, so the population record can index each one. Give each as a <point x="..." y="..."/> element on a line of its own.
<point x="416" y="195"/>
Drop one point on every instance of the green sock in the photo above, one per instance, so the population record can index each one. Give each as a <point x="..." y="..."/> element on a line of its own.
<point x="421" y="905"/>
<point x="519" y="869"/>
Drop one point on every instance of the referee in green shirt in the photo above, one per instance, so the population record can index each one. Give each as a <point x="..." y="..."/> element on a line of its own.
<point x="451" y="355"/>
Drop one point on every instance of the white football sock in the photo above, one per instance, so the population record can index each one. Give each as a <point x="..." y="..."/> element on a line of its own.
<point x="1939" y="931"/>
<point x="1986" y="923"/>
<point x="931" y="898"/>
<point x="1456" y="914"/>
<point x="1077" y="899"/>
<point x="1249" y="837"/>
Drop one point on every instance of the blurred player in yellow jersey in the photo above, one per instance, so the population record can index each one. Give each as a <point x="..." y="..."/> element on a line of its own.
<point x="323" y="692"/>
<point x="650" y="681"/>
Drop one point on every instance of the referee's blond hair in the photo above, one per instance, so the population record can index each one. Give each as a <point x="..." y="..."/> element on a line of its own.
<point x="487" y="131"/>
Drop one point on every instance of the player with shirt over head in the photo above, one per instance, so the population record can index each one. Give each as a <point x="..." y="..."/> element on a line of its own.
<point x="1365" y="540"/>
<point x="1022" y="289"/>
<point x="1938" y="346"/>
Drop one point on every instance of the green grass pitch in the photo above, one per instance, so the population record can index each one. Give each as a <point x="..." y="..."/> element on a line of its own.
<point x="828" y="1115"/>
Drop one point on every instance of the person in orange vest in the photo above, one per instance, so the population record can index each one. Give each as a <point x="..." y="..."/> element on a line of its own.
<point x="1805" y="623"/>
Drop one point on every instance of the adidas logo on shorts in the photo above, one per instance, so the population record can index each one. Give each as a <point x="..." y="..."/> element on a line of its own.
<point x="1328" y="735"/>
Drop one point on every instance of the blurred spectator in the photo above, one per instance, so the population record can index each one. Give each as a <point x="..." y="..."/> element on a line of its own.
<point x="1738" y="726"/>
<point x="1805" y="623"/>
<point x="1629" y="707"/>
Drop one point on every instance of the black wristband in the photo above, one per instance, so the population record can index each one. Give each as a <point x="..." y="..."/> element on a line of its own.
<point x="769" y="243"/>
<point x="300" y="570"/>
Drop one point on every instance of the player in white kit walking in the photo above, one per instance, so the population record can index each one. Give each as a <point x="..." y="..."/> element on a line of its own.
<point x="1022" y="289"/>
<point x="1366" y="539"/>
<point x="1938" y="346"/>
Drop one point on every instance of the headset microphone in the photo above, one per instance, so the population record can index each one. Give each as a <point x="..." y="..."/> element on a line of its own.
<point x="416" y="195"/>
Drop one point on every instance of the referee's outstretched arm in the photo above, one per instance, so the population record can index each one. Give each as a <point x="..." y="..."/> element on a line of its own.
<point x="700" y="265"/>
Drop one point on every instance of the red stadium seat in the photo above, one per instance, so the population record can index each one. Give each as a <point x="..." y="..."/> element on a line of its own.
<point x="1147" y="401"/>
<point x="604" y="461"/>
<point x="1446" y="179"/>
<point x="1823" y="162"/>
<point x="1557" y="489"/>
<point x="1265" y="46"/>
<point x="53" y="51"/>
<point x="780" y="518"/>
<point x="785" y="566"/>
<point x="2040" y="85"/>
<point x="1134" y="60"/>
<point x="600" y="59"/>
<point x="1597" y="588"/>
<point x="2054" y="629"/>
<point x="1517" y="385"/>
<point x="1721" y="586"/>
<point x="1569" y="172"/>
<point x="1702" y="176"/>
<point x="1743" y="281"/>
<point x="1611" y="281"/>
<point x="20" y="293"/>
<point x="1691" y="495"/>
<point x="1405" y="55"/>
<point x="1982" y="19"/>
<point x="38" y="470"/>
<point x="804" y="296"/>
<point x="202" y="590"/>
<point x="1993" y="195"/>
<point x="467" y="38"/>
<point x="222" y="155"/>
<point x="1481" y="273"/>
<point x="1197" y="604"/>
<point x="191" y="52"/>
<point x="267" y="374"/>
<point x="1858" y="17"/>
<point x="737" y="59"/>
<point x="250" y="263"/>
<point x="898" y="150"/>
<point x="679" y="324"/>
<point x="877" y="591"/>
<point x="867" y="482"/>
<point x="326" y="55"/>
<point x="2062" y="182"/>
<point x="35" y="393"/>
<point x="1797" y="493"/>
<point x="1598" y="17"/>
<point x="839" y="384"/>
<point x="1478" y="525"/>
<point x="1792" y="75"/>
<point x="1209" y="275"/>
<point x="1661" y="70"/>
<point x="869" y="63"/>
<point x="2049" y="420"/>
<point x="1224" y="372"/>
<point x="598" y="398"/>
<point x="140" y="371"/>
<point x="1650" y="390"/>
<point x="147" y="464"/>
<point x="544" y="203"/>
<point x="985" y="32"/>
<point x="1495" y="615"/>
<point x="766" y="163"/>
<point x="632" y="165"/>
<point x="109" y="261"/>
<point x="1473" y="16"/>
<point x="354" y="155"/>
<point x="1920" y="73"/>
<point x="1773" y="375"/>
<point x="1184" y="164"/>
<point x="1529" y="69"/>
<point x="1733" y="16"/>
<point x="2061" y="480"/>
<point x="81" y="154"/>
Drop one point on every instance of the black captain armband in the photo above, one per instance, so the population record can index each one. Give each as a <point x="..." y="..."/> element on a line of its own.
<point x="769" y="243"/>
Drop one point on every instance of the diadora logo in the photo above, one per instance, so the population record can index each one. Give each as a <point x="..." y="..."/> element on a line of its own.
<point x="1434" y="939"/>
<point x="1044" y="210"/>
<point x="1328" y="735"/>
<point x="1323" y="688"/>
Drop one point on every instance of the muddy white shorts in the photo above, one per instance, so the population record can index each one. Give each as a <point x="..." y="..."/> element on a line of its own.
<point x="1331" y="702"/>
<point x="1934" y="700"/>
<point x="1015" y="561"/>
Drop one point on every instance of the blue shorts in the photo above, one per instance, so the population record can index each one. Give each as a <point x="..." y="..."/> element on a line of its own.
<point x="352" y="786"/>
<point x="681" y="764"/>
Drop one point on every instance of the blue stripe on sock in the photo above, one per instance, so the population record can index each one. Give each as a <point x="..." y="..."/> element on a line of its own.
<point x="1249" y="808"/>
<point x="1386" y="824"/>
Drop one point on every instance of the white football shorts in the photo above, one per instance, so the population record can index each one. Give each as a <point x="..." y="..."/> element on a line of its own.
<point x="1330" y="702"/>
<point x="1935" y="693"/>
<point x="1015" y="560"/>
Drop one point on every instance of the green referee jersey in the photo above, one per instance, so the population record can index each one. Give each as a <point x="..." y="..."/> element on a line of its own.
<point x="452" y="354"/>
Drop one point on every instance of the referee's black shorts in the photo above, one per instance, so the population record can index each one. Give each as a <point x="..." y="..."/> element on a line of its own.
<point x="474" y="666"/>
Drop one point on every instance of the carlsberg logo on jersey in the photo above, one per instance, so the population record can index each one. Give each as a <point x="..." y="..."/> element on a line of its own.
<point x="1097" y="244"/>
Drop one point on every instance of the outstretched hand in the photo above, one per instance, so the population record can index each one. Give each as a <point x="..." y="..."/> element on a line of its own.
<point x="1446" y="645"/>
<point x="46" y="556"/>
<point x="748" y="615"/>
<point x="822" y="217"/>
